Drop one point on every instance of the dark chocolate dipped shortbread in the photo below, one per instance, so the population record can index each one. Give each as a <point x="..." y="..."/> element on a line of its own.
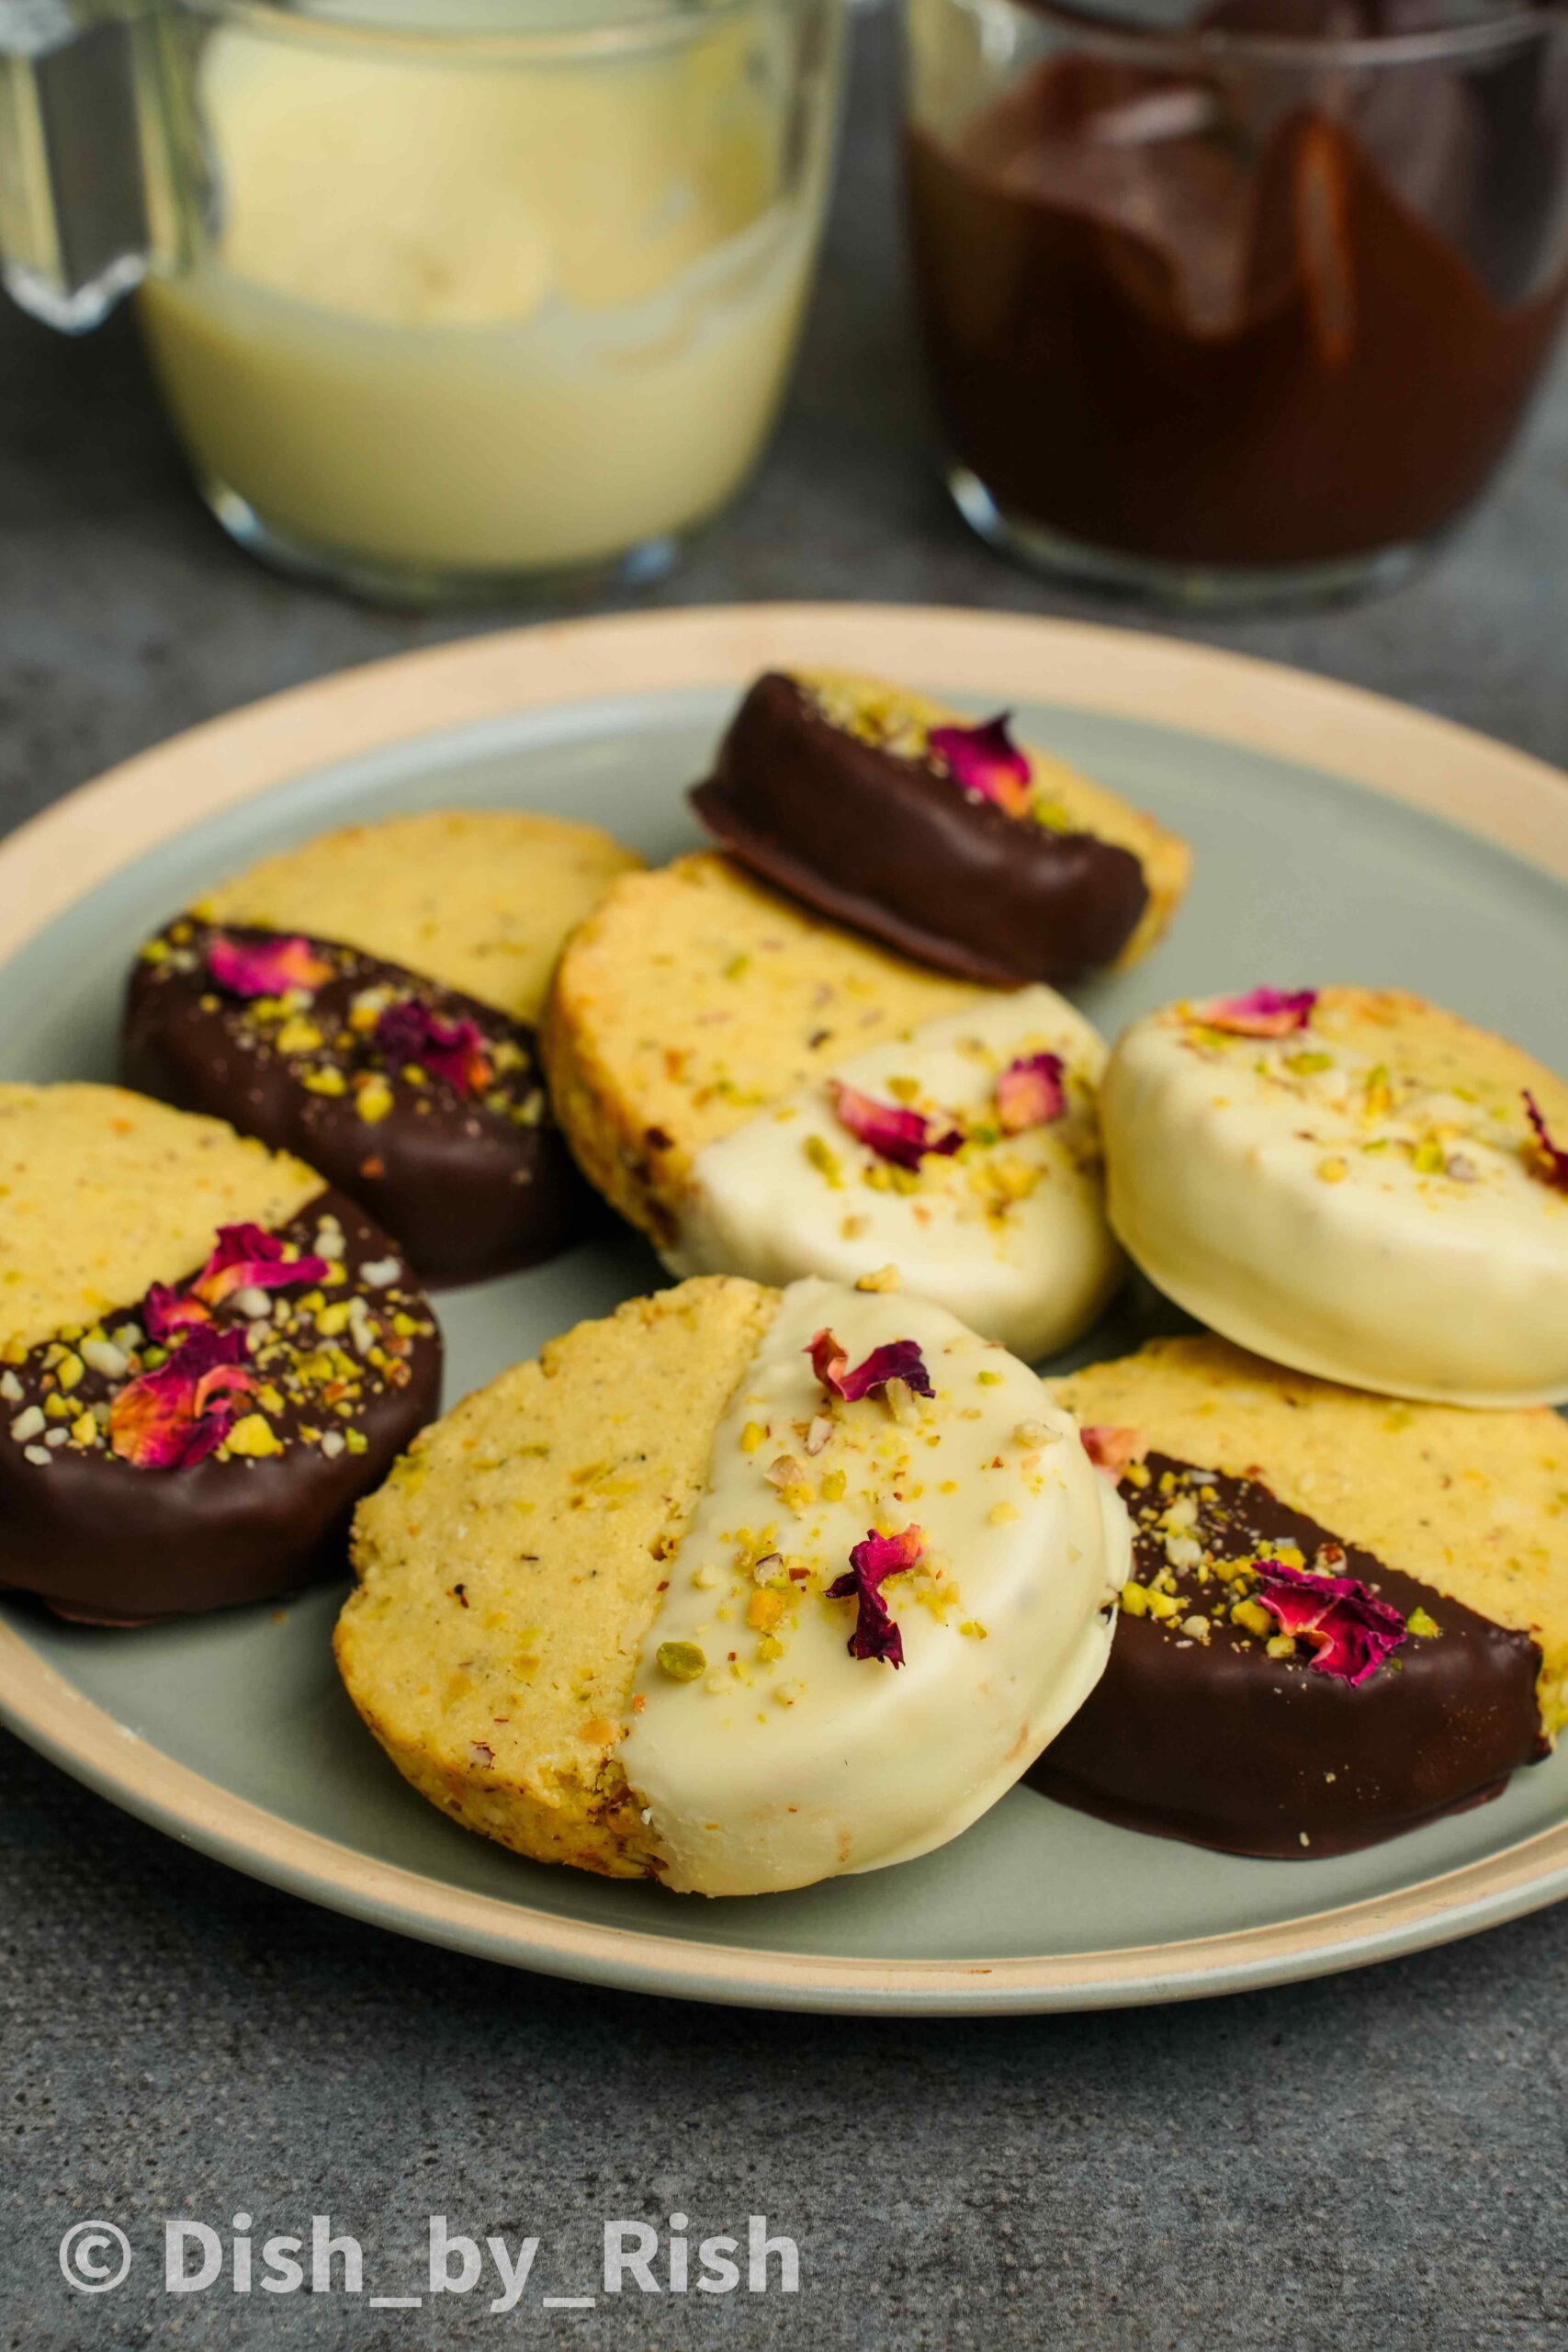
<point x="209" y="1358"/>
<point x="1346" y="1616"/>
<point x="946" y="840"/>
<point x="367" y="1001"/>
<point x="427" y="1106"/>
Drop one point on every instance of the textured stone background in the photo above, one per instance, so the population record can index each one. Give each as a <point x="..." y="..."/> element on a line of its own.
<point x="1376" y="2161"/>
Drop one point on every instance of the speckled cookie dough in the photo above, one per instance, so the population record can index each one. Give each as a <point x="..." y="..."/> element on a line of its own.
<point x="477" y="900"/>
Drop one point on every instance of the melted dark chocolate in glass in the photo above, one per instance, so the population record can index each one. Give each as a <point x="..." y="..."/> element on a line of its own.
<point x="1245" y="314"/>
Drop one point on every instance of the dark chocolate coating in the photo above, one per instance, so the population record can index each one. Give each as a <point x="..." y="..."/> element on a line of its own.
<point x="1218" y="1743"/>
<point x="466" y="1191"/>
<point x="104" y="1543"/>
<point x="896" y="848"/>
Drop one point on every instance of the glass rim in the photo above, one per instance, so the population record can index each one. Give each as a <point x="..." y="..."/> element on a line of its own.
<point x="668" y="25"/>
<point x="1488" y="32"/>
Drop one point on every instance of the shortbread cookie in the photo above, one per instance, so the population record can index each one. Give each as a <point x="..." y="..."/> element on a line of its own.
<point x="207" y="1357"/>
<point x="477" y="900"/>
<point x="735" y="1590"/>
<point x="1353" y="1182"/>
<point x="764" y="1094"/>
<point x="367" y="1001"/>
<point x="946" y="840"/>
<point x="1345" y="1616"/>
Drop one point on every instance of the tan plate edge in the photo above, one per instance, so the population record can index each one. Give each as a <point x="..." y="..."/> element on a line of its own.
<point x="88" y="1743"/>
<point x="1501" y="794"/>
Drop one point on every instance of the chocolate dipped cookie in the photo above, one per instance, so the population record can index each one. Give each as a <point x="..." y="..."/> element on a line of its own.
<point x="207" y="1357"/>
<point x="735" y="1589"/>
<point x="766" y="1094"/>
<point x="1353" y="1182"/>
<point x="947" y="841"/>
<point x="1345" y="1616"/>
<point x="369" y="1001"/>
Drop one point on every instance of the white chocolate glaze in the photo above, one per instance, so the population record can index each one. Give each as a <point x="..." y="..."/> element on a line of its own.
<point x="1376" y="1221"/>
<point x="786" y="1760"/>
<point x="1010" y="1232"/>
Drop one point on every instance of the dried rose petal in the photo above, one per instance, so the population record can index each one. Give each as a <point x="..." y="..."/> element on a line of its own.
<point x="871" y="1564"/>
<point x="452" y="1050"/>
<point x="899" y="1360"/>
<point x="1030" y="1093"/>
<point x="1351" y="1630"/>
<point x="1263" y="1013"/>
<point x="174" y="1417"/>
<point x="248" y="1258"/>
<point x="165" y="1313"/>
<point x="984" y="760"/>
<point x="1111" y="1449"/>
<point x="270" y="968"/>
<point x="1553" y="1154"/>
<point x="893" y="1133"/>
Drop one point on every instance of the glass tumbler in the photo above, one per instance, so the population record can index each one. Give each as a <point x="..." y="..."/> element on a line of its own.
<point x="1242" y="308"/>
<point x="447" y="299"/>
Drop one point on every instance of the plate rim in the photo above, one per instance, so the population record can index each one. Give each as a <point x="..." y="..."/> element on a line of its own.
<point x="1504" y="795"/>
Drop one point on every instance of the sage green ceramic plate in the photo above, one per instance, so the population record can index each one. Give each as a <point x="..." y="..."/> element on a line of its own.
<point x="1336" y="836"/>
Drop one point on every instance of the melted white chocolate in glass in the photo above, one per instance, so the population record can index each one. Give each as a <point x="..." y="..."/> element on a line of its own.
<point x="470" y="313"/>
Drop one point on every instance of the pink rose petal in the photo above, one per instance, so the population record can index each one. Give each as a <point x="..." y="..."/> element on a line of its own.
<point x="244" y="1256"/>
<point x="165" y="1313"/>
<point x="267" y="967"/>
<point x="171" y="1417"/>
<point x="1263" y="1013"/>
<point x="1030" y="1093"/>
<point x="987" y="760"/>
<point x="247" y="1257"/>
<point x="452" y="1051"/>
<point x="1351" y="1630"/>
<point x="871" y="1564"/>
<point x="1113" y="1450"/>
<point x="899" y="1360"/>
<point x="889" y="1130"/>
<point x="1553" y="1155"/>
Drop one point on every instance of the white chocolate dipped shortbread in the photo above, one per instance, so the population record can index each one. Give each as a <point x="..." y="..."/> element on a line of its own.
<point x="1353" y="1182"/>
<point x="707" y="1597"/>
<point x="764" y="1094"/>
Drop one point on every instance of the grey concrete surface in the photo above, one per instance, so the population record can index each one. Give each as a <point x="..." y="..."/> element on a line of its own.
<point x="1376" y="2161"/>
